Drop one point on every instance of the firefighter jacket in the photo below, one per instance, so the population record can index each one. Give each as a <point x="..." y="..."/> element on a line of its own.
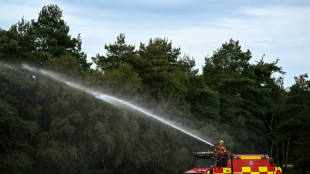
<point x="220" y="150"/>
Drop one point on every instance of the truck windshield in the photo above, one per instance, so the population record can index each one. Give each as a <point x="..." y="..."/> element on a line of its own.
<point x="205" y="161"/>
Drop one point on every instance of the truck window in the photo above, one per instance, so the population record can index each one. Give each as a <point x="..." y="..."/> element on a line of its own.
<point x="205" y="161"/>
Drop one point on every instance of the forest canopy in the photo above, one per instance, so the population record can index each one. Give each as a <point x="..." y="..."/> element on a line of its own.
<point x="49" y="127"/>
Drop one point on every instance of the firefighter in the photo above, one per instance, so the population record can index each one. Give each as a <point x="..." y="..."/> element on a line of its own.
<point x="221" y="154"/>
<point x="221" y="149"/>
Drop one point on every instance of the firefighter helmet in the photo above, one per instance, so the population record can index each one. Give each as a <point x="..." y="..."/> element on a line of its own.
<point x="221" y="141"/>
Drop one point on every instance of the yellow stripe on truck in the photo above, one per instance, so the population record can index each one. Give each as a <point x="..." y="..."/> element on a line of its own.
<point x="226" y="170"/>
<point x="246" y="169"/>
<point x="251" y="173"/>
<point x="242" y="173"/>
<point x="262" y="169"/>
<point x="251" y="157"/>
<point x="249" y="170"/>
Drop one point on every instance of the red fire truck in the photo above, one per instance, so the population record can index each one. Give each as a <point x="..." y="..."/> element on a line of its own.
<point x="209" y="163"/>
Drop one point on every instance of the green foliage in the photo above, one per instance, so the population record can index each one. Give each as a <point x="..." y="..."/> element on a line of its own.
<point x="65" y="63"/>
<point x="16" y="136"/>
<point x="117" y="54"/>
<point x="204" y="101"/>
<point x="155" y="60"/>
<point x="41" y="40"/>
<point x="245" y="92"/>
<point x="123" y="80"/>
<point x="79" y="55"/>
<point x="9" y="47"/>
<point x="296" y="120"/>
<point x="52" y="31"/>
<point x="156" y="63"/>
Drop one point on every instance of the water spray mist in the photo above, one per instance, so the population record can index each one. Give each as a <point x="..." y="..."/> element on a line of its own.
<point x="112" y="100"/>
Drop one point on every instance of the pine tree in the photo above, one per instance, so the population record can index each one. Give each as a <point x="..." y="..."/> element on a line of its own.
<point x="117" y="54"/>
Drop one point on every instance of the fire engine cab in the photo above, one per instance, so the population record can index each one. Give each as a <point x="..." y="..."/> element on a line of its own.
<point x="209" y="163"/>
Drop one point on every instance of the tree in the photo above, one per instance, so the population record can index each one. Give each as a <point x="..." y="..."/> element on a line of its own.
<point x="203" y="100"/>
<point x="80" y="55"/>
<point x="156" y="64"/>
<point x="229" y="62"/>
<point x="52" y="36"/>
<point x="187" y="65"/>
<point x="245" y="92"/>
<point x="123" y="80"/>
<point x="65" y="63"/>
<point x="224" y="73"/>
<point x="9" y="44"/>
<point x="117" y="54"/>
<point x="52" y="32"/>
<point x="294" y="126"/>
<point x="45" y="39"/>
<point x="16" y="136"/>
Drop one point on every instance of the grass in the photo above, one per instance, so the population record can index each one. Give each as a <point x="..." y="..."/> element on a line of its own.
<point x="97" y="171"/>
<point x="291" y="170"/>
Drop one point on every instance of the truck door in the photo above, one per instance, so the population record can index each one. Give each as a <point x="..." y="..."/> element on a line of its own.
<point x="222" y="160"/>
<point x="222" y="164"/>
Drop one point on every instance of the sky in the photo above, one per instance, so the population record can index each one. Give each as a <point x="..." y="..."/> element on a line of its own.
<point x="278" y="29"/>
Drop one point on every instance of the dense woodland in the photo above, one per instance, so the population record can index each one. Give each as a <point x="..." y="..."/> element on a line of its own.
<point x="48" y="127"/>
